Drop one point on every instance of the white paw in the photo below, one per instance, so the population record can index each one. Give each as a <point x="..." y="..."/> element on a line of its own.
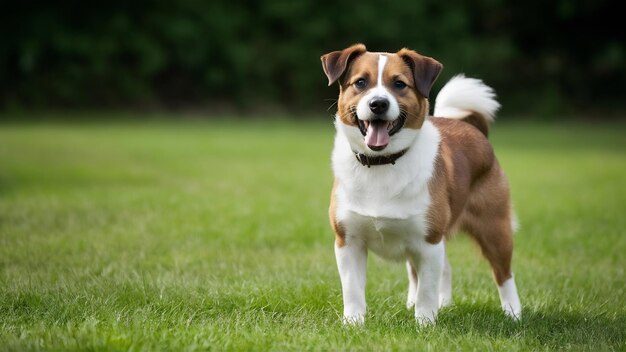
<point x="513" y="313"/>
<point x="425" y="317"/>
<point x="354" y="320"/>
<point x="509" y="299"/>
<point x="410" y="303"/>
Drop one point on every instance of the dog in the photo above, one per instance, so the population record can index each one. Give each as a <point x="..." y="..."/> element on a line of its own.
<point x="405" y="181"/>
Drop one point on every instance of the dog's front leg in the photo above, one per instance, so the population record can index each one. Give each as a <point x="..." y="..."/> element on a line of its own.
<point x="352" y="265"/>
<point x="430" y="259"/>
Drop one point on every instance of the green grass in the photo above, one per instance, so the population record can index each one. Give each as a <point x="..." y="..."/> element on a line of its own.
<point x="189" y="235"/>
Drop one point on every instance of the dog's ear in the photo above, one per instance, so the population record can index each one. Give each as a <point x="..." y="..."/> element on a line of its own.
<point x="425" y="70"/>
<point x="336" y="62"/>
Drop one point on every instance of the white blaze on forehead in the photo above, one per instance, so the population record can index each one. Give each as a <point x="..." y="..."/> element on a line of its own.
<point x="382" y="61"/>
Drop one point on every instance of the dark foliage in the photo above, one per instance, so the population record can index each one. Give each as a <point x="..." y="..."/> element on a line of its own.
<point x="250" y="53"/>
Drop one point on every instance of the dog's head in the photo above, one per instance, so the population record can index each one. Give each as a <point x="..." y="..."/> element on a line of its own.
<point x="382" y="96"/>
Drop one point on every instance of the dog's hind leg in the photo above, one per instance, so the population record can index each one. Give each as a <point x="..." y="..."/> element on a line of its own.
<point x="496" y="245"/>
<point x="488" y="220"/>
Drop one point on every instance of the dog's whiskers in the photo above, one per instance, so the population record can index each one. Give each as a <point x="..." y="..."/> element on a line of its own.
<point x="351" y="112"/>
<point x="331" y="105"/>
<point x="407" y="113"/>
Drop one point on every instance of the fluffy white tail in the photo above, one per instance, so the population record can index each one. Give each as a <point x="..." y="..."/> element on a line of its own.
<point x="462" y="97"/>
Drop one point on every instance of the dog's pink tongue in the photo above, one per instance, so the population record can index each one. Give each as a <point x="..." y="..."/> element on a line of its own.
<point x="377" y="134"/>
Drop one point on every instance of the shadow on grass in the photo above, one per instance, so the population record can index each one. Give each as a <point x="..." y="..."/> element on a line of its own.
<point x="547" y="328"/>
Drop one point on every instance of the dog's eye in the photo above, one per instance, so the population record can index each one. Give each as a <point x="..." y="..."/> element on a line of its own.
<point x="399" y="84"/>
<point x="360" y="83"/>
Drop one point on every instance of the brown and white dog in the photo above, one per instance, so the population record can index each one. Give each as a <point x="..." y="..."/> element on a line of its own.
<point x="405" y="181"/>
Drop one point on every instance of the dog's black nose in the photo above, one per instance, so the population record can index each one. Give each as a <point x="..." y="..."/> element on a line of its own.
<point x="379" y="105"/>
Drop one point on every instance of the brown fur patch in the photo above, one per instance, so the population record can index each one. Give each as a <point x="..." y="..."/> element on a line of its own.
<point x="479" y="122"/>
<point x="439" y="213"/>
<point x="340" y="235"/>
<point x="487" y="218"/>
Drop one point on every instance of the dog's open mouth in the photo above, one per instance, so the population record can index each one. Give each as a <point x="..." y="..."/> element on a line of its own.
<point x="377" y="132"/>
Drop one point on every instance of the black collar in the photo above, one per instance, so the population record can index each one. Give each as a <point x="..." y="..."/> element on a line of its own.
<point x="368" y="161"/>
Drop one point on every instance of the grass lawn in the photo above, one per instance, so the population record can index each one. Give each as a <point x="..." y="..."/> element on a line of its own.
<point x="191" y="235"/>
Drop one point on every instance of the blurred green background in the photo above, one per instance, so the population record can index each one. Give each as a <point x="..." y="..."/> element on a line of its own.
<point x="548" y="57"/>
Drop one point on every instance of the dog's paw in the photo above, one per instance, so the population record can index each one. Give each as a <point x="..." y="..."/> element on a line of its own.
<point x="425" y="317"/>
<point x="410" y="303"/>
<point x="514" y="313"/>
<point x="354" y="320"/>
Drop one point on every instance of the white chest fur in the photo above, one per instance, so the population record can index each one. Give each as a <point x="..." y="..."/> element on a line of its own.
<point x="392" y="239"/>
<point x="386" y="205"/>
